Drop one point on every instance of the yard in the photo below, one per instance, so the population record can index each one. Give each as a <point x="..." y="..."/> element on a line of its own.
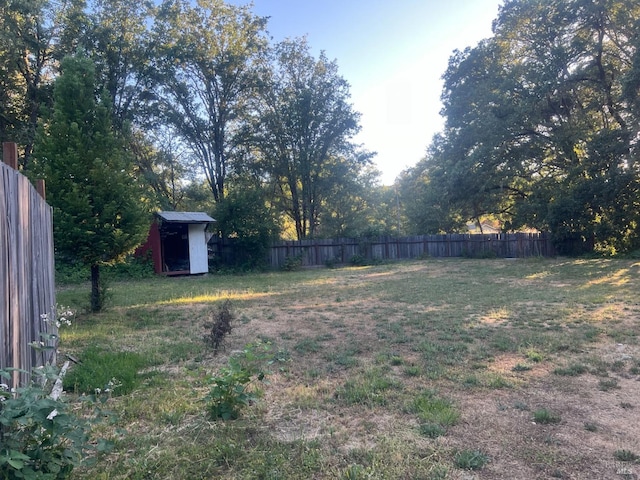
<point x="433" y="369"/>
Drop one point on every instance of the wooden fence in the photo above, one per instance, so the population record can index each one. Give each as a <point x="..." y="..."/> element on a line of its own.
<point x="27" y="283"/>
<point x="348" y="250"/>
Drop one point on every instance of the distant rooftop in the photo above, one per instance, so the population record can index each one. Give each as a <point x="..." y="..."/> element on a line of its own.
<point x="185" y="217"/>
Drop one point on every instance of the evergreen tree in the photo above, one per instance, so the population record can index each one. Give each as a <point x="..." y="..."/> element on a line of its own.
<point x="98" y="213"/>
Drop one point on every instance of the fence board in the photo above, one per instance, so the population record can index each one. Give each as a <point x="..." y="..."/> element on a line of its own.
<point x="27" y="282"/>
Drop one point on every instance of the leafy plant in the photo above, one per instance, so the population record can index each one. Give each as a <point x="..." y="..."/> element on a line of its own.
<point x="41" y="437"/>
<point x="219" y="327"/>
<point x="230" y="390"/>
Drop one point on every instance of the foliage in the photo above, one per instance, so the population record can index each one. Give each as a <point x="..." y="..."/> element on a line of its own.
<point x="96" y="202"/>
<point x="230" y="390"/>
<point x="302" y="134"/>
<point x="103" y="371"/>
<point x="539" y="130"/>
<point x="246" y="219"/>
<point x="219" y="327"/>
<point x="41" y="437"/>
<point x="207" y="56"/>
<point x="293" y="262"/>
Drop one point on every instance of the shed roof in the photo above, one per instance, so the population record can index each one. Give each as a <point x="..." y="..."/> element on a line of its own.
<point x="185" y="217"/>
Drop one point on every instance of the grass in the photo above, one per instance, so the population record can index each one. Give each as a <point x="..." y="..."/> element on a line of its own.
<point x="365" y="385"/>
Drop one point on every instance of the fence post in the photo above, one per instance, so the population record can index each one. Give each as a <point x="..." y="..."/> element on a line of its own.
<point x="10" y="154"/>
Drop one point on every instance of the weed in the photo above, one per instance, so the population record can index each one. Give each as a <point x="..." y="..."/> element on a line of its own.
<point x="518" y="405"/>
<point x="572" y="370"/>
<point x="219" y="327"/>
<point x="412" y="370"/>
<point x="470" y="459"/>
<point x="590" y="427"/>
<point x="521" y="368"/>
<point x="229" y="392"/>
<point x="626" y="405"/>
<point x="544" y="416"/>
<point x="608" y="384"/>
<point x="625" y="456"/>
<point x="534" y="355"/>
<point x="434" y="413"/>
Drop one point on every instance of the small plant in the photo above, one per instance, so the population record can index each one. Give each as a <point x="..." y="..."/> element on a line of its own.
<point x="293" y="263"/>
<point x="230" y="390"/>
<point x="470" y="459"/>
<point x="41" y="437"/>
<point x="590" y="427"/>
<point x="608" y="384"/>
<point x="219" y="327"/>
<point x="520" y="367"/>
<point x="534" y="355"/>
<point x="572" y="370"/>
<point x="544" y="416"/>
<point x="625" y="456"/>
<point x="358" y="260"/>
<point x="435" y="413"/>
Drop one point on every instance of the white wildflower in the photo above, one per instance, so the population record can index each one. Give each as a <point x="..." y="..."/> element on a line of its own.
<point x="53" y="414"/>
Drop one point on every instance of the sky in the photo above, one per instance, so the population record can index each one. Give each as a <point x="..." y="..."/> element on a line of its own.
<point x="393" y="54"/>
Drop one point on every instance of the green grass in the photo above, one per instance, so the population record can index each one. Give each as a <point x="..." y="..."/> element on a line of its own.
<point x="376" y="363"/>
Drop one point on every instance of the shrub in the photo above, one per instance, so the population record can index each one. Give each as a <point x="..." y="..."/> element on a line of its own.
<point x="41" y="437"/>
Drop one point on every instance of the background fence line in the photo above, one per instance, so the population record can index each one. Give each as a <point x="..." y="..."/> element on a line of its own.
<point x="27" y="276"/>
<point x="351" y="250"/>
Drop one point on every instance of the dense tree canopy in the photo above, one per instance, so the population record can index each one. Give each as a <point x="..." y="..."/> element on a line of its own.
<point x="540" y="127"/>
<point x="99" y="217"/>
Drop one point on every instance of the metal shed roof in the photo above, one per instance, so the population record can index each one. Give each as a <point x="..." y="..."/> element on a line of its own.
<point x="185" y="217"/>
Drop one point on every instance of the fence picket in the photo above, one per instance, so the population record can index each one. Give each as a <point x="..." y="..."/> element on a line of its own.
<point x="27" y="286"/>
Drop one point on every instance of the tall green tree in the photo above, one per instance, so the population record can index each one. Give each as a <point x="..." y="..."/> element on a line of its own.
<point x="538" y="129"/>
<point x="207" y="57"/>
<point x="99" y="216"/>
<point x="303" y="133"/>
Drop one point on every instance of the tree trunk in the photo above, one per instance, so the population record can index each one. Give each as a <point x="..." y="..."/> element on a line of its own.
<point x="96" y="294"/>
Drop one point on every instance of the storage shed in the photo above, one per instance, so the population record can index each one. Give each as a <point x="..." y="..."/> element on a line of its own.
<point x="178" y="243"/>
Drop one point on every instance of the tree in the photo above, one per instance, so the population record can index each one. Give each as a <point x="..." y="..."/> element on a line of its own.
<point x="246" y="217"/>
<point x="207" y="58"/>
<point x="34" y="35"/>
<point x="538" y="131"/>
<point x="97" y="206"/>
<point x="302" y="133"/>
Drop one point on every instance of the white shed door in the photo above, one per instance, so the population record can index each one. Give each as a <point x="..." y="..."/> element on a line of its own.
<point x="197" y="248"/>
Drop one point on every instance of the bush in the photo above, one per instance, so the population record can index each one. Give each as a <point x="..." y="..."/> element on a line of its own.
<point x="41" y="437"/>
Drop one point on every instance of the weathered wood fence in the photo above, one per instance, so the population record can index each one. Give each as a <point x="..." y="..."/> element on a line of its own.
<point x="27" y="282"/>
<point x="348" y="250"/>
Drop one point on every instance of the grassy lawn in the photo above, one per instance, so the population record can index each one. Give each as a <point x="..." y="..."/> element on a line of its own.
<point x="435" y="369"/>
